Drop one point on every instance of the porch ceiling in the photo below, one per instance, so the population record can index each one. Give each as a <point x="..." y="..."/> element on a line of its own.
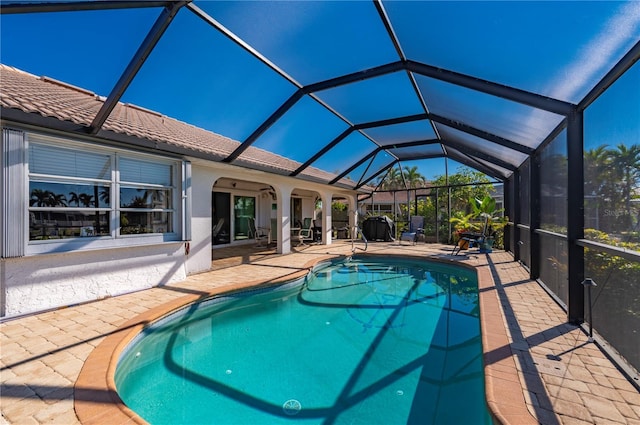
<point x="345" y="90"/>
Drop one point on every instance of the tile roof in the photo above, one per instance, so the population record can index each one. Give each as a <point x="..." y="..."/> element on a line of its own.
<point x="51" y="98"/>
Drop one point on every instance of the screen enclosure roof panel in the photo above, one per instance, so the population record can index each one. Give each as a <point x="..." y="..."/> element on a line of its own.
<point x="334" y="91"/>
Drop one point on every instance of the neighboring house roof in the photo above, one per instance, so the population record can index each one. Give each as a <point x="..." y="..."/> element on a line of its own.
<point x="51" y="98"/>
<point x="387" y="197"/>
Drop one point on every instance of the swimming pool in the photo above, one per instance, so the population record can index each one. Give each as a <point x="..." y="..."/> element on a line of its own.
<point x="362" y="341"/>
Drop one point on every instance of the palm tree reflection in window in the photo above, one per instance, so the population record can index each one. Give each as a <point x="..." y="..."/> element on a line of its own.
<point x="46" y="198"/>
<point x="133" y="222"/>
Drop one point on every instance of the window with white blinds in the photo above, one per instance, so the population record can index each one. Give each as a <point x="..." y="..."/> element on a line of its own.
<point x="137" y="171"/>
<point x="54" y="160"/>
<point x="81" y="191"/>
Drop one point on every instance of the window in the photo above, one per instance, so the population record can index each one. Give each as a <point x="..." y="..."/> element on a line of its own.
<point x="79" y="192"/>
<point x="69" y="193"/>
<point x="146" y="195"/>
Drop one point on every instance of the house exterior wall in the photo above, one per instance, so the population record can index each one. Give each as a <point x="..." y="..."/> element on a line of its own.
<point x="59" y="272"/>
<point x="199" y="258"/>
<point x="308" y="208"/>
<point x="37" y="283"/>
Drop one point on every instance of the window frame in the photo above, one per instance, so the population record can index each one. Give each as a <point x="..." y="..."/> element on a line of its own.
<point x="176" y="205"/>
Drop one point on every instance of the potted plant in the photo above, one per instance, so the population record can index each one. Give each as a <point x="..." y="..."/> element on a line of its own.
<point x="494" y="222"/>
<point x="484" y="218"/>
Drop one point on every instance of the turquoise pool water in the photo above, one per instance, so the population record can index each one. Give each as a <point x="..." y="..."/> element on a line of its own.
<point x="363" y="341"/>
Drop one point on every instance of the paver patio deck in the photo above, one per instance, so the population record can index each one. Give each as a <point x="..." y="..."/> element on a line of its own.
<point x="539" y="368"/>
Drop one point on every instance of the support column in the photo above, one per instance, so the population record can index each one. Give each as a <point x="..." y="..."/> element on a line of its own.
<point x="284" y="220"/>
<point x="326" y="217"/>
<point x="575" y="216"/>
<point x="353" y="215"/>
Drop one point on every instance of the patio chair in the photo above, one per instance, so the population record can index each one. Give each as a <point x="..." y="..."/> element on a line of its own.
<point x="216" y="229"/>
<point x="416" y="228"/>
<point x="306" y="232"/>
<point x="260" y="234"/>
<point x="469" y="239"/>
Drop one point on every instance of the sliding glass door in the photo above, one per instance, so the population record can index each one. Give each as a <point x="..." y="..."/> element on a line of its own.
<point x="244" y="209"/>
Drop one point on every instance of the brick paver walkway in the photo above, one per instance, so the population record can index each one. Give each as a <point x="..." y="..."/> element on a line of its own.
<point x="564" y="379"/>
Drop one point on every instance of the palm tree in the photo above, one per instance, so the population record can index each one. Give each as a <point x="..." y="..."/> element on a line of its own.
<point x="597" y="163"/>
<point x="625" y="161"/>
<point x="599" y="183"/>
<point x="413" y="177"/>
<point x="392" y="180"/>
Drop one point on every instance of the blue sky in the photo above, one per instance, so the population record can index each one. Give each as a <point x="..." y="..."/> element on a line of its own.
<point x="195" y="74"/>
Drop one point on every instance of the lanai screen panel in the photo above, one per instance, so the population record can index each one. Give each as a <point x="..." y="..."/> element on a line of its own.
<point x="502" y="172"/>
<point x="311" y="41"/>
<point x="56" y="50"/>
<point x="305" y="129"/>
<point x="529" y="45"/>
<point x="612" y="159"/>
<point x="415" y="152"/>
<point x="345" y="154"/>
<point x="511" y="120"/>
<point x="214" y="84"/>
<point x="615" y="302"/>
<point x="432" y="168"/>
<point x="554" y="185"/>
<point x="475" y="145"/>
<point x="554" y="265"/>
<point x="455" y="166"/>
<point x="386" y="96"/>
<point x="203" y="77"/>
<point x="524" y="195"/>
<point x="403" y="132"/>
<point x="365" y="172"/>
<point x="468" y="160"/>
<point x="380" y="162"/>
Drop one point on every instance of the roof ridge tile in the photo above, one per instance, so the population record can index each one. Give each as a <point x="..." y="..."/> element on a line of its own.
<point x="66" y="85"/>
<point x="14" y="69"/>
<point x="143" y="109"/>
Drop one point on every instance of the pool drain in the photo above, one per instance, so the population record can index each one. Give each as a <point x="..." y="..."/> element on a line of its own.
<point x="291" y="407"/>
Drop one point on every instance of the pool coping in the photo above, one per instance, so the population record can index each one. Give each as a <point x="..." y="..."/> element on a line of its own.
<point x="503" y="390"/>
